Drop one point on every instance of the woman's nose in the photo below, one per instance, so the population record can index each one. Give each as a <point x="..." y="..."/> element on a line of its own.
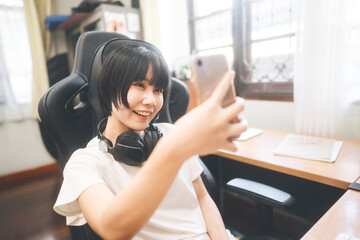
<point x="149" y="98"/>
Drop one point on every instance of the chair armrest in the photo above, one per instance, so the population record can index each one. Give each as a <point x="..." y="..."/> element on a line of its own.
<point x="260" y="193"/>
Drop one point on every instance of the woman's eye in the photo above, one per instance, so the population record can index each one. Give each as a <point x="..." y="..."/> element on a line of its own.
<point x="139" y="84"/>
<point x="159" y="90"/>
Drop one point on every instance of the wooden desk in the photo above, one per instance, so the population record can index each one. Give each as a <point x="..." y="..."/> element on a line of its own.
<point x="258" y="151"/>
<point x="342" y="217"/>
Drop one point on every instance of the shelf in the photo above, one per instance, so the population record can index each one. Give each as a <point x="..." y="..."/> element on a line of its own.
<point x="72" y="21"/>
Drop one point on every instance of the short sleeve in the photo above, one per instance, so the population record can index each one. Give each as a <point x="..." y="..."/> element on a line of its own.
<point x="195" y="167"/>
<point x="81" y="171"/>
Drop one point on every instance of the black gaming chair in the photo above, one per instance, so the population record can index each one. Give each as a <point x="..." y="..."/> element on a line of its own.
<point x="70" y="111"/>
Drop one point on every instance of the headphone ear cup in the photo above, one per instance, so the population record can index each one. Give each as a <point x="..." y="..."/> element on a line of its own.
<point x="151" y="138"/>
<point x="150" y="141"/>
<point x="130" y="138"/>
<point x="130" y="149"/>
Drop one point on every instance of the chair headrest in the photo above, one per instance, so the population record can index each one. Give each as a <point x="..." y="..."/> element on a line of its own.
<point x="86" y="47"/>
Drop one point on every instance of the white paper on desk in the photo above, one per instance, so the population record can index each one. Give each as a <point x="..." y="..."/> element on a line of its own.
<point x="249" y="133"/>
<point x="314" y="148"/>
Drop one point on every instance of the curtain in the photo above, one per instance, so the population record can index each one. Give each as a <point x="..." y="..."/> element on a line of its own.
<point x="150" y="21"/>
<point x="327" y="68"/>
<point x="36" y="11"/>
<point x="44" y="8"/>
<point x="15" y="63"/>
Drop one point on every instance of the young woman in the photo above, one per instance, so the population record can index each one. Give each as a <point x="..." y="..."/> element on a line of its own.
<point x="164" y="196"/>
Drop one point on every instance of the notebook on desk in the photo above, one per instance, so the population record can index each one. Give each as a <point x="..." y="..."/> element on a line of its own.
<point x="314" y="148"/>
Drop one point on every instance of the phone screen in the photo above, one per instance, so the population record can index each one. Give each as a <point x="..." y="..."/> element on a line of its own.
<point x="207" y="71"/>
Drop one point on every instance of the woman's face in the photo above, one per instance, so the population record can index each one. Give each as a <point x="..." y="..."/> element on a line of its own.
<point x="145" y="101"/>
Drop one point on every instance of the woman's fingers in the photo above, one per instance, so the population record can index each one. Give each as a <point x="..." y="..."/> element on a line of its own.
<point x="232" y="111"/>
<point x="235" y="130"/>
<point x="221" y="89"/>
<point x="230" y="146"/>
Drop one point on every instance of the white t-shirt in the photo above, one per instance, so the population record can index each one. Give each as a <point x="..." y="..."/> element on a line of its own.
<point x="178" y="216"/>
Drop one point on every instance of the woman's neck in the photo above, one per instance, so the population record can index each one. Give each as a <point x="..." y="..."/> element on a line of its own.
<point x="114" y="128"/>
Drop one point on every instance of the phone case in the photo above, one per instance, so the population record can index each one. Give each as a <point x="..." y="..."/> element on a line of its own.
<point x="206" y="72"/>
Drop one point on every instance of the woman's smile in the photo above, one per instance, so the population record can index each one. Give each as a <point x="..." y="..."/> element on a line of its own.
<point x="142" y="114"/>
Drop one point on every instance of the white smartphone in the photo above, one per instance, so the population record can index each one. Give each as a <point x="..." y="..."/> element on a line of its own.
<point x="206" y="72"/>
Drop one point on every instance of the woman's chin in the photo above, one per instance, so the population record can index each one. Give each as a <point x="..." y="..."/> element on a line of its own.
<point x="139" y="127"/>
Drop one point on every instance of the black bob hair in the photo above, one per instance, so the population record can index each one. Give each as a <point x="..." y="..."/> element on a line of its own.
<point x="127" y="64"/>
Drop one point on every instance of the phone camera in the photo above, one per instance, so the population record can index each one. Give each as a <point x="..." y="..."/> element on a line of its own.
<point x="199" y="63"/>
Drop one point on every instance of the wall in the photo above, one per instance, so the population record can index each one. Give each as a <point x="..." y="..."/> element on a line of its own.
<point x="270" y="114"/>
<point x="174" y="36"/>
<point x="21" y="143"/>
<point x="22" y="147"/>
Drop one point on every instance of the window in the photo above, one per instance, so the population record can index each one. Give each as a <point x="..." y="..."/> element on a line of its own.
<point x="258" y="37"/>
<point x="264" y="33"/>
<point x="16" y="70"/>
<point x="210" y="24"/>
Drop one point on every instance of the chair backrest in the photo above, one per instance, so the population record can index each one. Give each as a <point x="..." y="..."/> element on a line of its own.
<point x="70" y="109"/>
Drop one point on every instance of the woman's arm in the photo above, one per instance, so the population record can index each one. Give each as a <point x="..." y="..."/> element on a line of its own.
<point x="214" y="223"/>
<point x="123" y="215"/>
<point x="207" y="127"/>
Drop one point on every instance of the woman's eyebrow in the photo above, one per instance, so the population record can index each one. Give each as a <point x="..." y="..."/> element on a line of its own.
<point x="141" y="80"/>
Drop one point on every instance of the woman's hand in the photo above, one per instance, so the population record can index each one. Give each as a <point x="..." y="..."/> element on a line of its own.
<point x="209" y="126"/>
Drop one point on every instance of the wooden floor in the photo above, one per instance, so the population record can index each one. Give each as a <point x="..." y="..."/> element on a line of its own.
<point x="26" y="208"/>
